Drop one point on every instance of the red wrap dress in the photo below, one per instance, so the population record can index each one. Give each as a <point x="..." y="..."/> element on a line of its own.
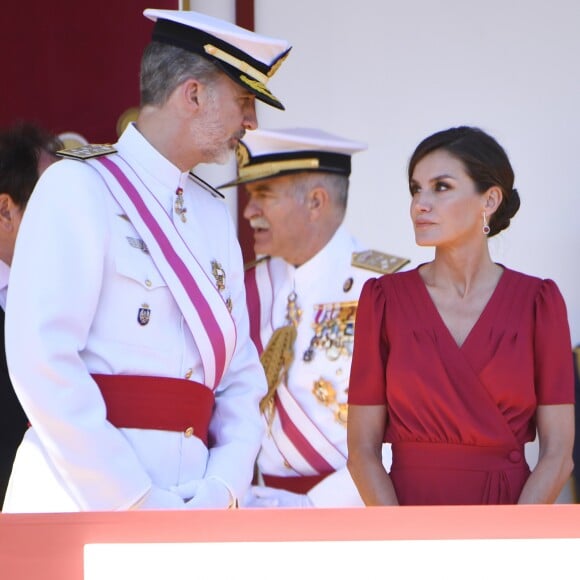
<point x="458" y="417"/>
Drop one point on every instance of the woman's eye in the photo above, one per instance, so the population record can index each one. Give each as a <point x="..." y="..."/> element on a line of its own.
<point x="441" y="186"/>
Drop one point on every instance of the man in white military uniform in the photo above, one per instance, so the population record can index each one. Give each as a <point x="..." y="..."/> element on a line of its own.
<point x="131" y="355"/>
<point x="302" y="297"/>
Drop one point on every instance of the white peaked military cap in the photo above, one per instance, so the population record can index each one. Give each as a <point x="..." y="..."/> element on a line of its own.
<point x="248" y="58"/>
<point x="266" y="153"/>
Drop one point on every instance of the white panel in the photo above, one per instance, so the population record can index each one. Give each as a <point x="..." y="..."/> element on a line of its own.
<point x="535" y="559"/>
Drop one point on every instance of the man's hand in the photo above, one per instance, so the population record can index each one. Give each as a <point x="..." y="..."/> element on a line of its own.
<point x="261" y="496"/>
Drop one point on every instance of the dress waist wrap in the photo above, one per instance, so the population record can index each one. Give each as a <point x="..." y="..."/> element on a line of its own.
<point x="167" y="404"/>
<point x="457" y="456"/>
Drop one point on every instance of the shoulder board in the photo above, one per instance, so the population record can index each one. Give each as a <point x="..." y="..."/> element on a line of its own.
<point x="86" y="151"/>
<point x="205" y="185"/>
<point x="378" y="261"/>
<point x="254" y="263"/>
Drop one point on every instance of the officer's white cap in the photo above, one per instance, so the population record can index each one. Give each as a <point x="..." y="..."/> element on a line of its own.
<point x="267" y="153"/>
<point x="250" y="59"/>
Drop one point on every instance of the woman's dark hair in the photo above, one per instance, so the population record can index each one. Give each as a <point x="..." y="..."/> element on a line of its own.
<point x="485" y="161"/>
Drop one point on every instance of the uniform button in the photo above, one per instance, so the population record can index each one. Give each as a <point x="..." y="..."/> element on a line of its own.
<point x="286" y="464"/>
<point x="189" y="432"/>
<point x="515" y="456"/>
<point x="148" y="283"/>
<point x="188" y="373"/>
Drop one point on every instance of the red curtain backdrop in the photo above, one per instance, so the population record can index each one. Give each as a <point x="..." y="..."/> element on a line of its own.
<point x="245" y="18"/>
<point x="72" y="65"/>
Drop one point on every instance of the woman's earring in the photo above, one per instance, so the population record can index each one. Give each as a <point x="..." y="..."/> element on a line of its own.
<point x="485" y="228"/>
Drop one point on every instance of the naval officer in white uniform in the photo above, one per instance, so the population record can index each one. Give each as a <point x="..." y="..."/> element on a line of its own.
<point x="127" y="330"/>
<point x="302" y="296"/>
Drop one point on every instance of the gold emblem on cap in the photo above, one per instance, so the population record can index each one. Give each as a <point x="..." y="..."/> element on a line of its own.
<point x="378" y="261"/>
<point x="276" y="65"/>
<point x="235" y="62"/>
<point x="347" y="284"/>
<point x="242" y="155"/>
<point x="263" y="170"/>
<point x="257" y="86"/>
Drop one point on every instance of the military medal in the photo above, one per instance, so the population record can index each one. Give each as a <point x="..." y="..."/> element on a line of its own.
<point x="144" y="314"/>
<point x="220" y="281"/>
<point x="179" y="209"/>
<point x="219" y="275"/>
<point x="333" y="330"/>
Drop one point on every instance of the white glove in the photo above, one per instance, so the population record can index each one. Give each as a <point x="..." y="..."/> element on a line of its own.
<point x="209" y="493"/>
<point x="159" y="499"/>
<point x="267" y="497"/>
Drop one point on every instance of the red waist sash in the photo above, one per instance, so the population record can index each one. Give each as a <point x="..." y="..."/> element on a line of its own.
<point x="297" y="484"/>
<point x="167" y="404"/>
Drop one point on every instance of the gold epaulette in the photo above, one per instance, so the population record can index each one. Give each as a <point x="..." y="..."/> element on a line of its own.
<point x="87" y="151"/>
<point x="378" y="261"/>
<point x="254" y="263"/>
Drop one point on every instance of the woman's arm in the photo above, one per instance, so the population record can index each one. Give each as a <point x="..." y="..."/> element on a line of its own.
<point x="556" y="437"/>
<point x="365" y="432"/>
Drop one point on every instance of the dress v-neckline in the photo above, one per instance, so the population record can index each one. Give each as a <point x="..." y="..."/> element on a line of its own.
<point x="480" y="319"/>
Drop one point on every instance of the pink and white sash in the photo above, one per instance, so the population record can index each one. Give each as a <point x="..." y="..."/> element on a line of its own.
<point x="200" y="302"/>
<point x="298" y="439"/>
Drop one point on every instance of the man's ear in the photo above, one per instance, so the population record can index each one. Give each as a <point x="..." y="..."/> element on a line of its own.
<point x="317" y="201"/>
<point x="190" y="91"/>
<point x="6" y="207"/>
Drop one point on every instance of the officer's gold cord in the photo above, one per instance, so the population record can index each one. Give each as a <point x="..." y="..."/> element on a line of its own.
<point x="279" y="355"/>
<point x="276" y="360"/>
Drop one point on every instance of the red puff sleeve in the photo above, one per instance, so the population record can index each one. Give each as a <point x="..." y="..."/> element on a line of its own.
<point x="367" y="384"/>
<point x="554" y="369"/>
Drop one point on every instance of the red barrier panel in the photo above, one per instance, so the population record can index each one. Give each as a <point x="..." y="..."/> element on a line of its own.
<point x="50" y="546"/>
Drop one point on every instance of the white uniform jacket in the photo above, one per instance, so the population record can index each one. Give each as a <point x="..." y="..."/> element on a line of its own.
<point x="314" y="399"/>
<point x="80" y="281"/>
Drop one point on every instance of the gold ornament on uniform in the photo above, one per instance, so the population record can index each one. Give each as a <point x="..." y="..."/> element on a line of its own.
<point x="378" y="261"/>
<point x="325" y="393"/>
<point x="279" y="355"/>
<point x="88" y="151"/>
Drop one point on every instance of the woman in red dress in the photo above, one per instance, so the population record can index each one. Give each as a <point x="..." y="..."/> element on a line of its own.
<point x="458" y="362"/>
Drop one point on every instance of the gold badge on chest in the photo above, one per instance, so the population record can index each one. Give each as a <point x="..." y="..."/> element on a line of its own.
<point x="325" y="394"/>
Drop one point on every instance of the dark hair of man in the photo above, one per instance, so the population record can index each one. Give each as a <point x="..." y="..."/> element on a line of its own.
<point x="20" y="149"/>
<point x="165" y="67"/>
<point x="485" y="161"/>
